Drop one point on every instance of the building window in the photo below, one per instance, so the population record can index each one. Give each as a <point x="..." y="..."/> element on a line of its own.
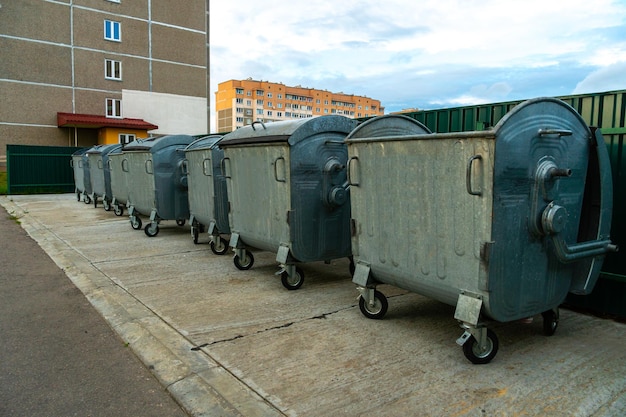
<point x="279" y="114"/>
<point x="280" y="96"/>
<point x="113" y="107"/>
<point x="248" y="102"/>
<point x="259" y="112"/>
<point x="239" y="90"/>
<point x="269" y="113"/>
<point x="126" y="138"/>
<point x="259" y="102"/>
<point x="112" y="31"/>
<point x="239" y="110"/>
<point x="259" y="92"/>
<point x="269" y="95"/>
<point x="248" y="93"/>
<point x="112" y="70"/>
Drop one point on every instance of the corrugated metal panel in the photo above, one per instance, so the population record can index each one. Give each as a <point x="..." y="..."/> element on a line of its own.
<point x="39" y="169"/>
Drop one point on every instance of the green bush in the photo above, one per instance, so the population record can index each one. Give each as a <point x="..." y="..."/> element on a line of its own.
<point x="3" y="183"/>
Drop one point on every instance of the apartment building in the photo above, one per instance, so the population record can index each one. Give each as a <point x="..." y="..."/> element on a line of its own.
<point x="240" y="102"/>
<point x="85" y="72"/>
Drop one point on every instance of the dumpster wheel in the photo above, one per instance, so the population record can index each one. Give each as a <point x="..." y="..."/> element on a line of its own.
<point x="375" y="310"/>
<point x="135" y="222"/>
<point x="106" y="204"/>
<point x="118" y="210"/>
<point x="180" y="222"/>
<point x="195" y="234"/>
<point x="550" y="321"/>
<point x="248" y="261"/>
<point x="475" y="354"/>
<point x="218" y="245"/>
<point x="293" y="281"/>
<point x="86" y="199"/>
<point x="151" y="229"/>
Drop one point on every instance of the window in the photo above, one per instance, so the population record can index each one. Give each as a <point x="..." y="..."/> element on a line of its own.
<point x="126" y="138"/>
<point x="269" y="95"/>
<point x="112" y="70"/>
<point x="239" y="101"/>
<point x="259" y="112"/>
<point x="259" y="102"/>
<point x="239" y="91"/>
<point x="259" y="92"/>
<point x="279" y="114"/>
<point x="248" y="102"/>
<point x="112" y="31"/>
<point x="269" y="113"/>
<point x="113" y="107"/>
<point x="280" y="96"/>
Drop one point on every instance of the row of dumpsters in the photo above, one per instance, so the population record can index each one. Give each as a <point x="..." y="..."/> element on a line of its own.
<point x="501" y="223"/>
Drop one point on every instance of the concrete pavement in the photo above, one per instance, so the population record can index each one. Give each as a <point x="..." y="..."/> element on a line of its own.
<point x="228" y="342"/>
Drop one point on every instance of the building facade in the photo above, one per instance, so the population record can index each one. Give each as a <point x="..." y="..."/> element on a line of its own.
<point x="83" y="72"/>
<point x="240" y="102"/>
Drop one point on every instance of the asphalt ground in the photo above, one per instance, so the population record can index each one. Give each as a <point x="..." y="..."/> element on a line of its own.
<point x="58" y="356"/>
<point x="225" y="342"/>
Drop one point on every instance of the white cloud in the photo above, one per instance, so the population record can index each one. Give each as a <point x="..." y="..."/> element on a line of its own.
<point x="408" y="53"/>
<point x="611" y="77"/>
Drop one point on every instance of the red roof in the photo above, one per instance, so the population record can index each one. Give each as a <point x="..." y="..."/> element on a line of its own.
<point x="93" y="121"/>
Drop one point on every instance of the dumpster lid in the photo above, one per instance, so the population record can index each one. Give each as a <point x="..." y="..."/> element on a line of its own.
<point x="155" y="144"/>
<point x="206" y="142"/>
<point x="387" y="125"/>
<point x="290" y="131"/>
<point x="104" y="149"/>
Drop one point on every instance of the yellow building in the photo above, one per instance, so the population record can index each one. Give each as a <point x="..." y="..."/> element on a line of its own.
<point x="240" y="102"/>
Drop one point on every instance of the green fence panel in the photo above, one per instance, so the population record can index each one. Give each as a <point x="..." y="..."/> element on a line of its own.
<point x="39" y="169"/>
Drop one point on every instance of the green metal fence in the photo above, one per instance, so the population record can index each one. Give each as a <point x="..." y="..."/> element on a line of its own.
<point x="39" y="169"/>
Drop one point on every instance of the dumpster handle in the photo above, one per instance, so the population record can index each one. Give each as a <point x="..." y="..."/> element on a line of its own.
<point x="276" y="170"/>
<point x="205" y="171"/>
<point x="223" y="167"/>
<point x="148" y="162"/>
<point x="100" y="164"/>
<point x="257" y="121"/>
<point x="542" y="132"/>
<point x="350" y="181"/>
<point x="184" y="167"/>
<point x="124" y="165"/>
<point x="468" y="175"/>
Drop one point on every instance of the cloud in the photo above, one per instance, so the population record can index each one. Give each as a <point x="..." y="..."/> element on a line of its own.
<point x="611" y="77"/>
<point x="423" y="54"/>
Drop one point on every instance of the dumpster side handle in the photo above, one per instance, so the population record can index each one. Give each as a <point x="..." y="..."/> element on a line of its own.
<point x="225" y="166"/>
<point x="276" y="177"/>
<point x="148" y="169"/>
<point x="206" y="167"/>
<point x="468" y="175"/>
<point x="351" y="180"/>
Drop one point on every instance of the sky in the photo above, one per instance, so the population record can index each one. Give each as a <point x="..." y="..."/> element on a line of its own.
<point x="424" y="54"/>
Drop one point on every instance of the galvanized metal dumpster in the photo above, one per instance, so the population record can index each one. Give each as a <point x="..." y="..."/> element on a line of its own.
<point x="287" y="192"/>
<point x="100" y="174"/>
<point x="82" y="176"/>
<point x="118" y="170"/>
<point x="501" y="223"/>
<point x="208" y="197"/>
<point x="157" y="186"/>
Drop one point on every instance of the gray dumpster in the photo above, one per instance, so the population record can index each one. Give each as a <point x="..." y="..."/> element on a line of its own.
<point x="500" y="223"/>
<point x="118" y="168"/>
<point x="82" y="176"/>
<point x="100" y="174"/>
<point x="287" y="192"/>
<point x="208" y="197"/>
<point x="157" y="186"/>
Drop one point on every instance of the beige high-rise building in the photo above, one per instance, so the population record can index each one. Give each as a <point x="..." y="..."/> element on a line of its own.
<point x="240" y="102"/>
<point x="83" y="72"/>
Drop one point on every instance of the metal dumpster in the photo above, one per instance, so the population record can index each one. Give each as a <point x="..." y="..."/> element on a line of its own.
<point x="501" y="223"/>
<point x="287" y="192"/>
<point x="82" y="176"/>
<point x="208" y="197"/>
<point x="118" y="168"/>
<point x="157" y="186"/>
<point x="100" y="174"/>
